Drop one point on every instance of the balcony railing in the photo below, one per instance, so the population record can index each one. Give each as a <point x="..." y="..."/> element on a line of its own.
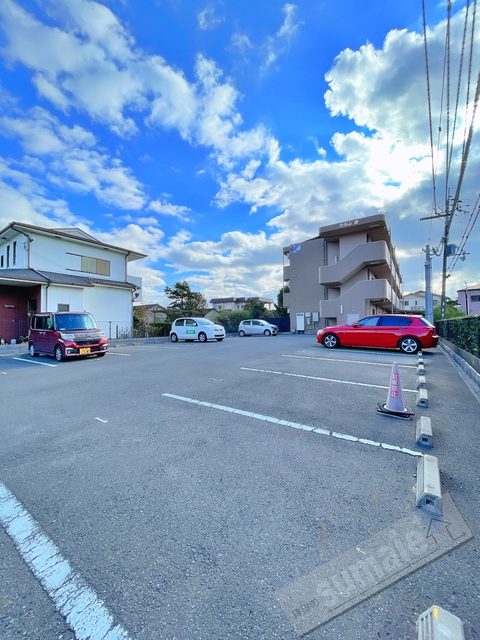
<point x="369" y="253"/>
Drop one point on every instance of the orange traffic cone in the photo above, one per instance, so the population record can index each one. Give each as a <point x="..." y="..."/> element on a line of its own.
<point x="395" y="406"/>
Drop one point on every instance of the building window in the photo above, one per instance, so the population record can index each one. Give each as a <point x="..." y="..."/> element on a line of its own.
<point x="474" y="298"/>
<point x="14" y="257"/>
<point x="8" y="256"/>
<point x="63" y="307"/>
<point x="96" y="265"/>
<point x="1" y="262"/>
<point x="407" y="303"/>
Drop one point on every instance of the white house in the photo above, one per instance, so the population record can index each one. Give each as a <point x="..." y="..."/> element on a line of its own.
<point x="238" y="304"/>
<point x="415" y="302"/>
<point x="64" y="270"/>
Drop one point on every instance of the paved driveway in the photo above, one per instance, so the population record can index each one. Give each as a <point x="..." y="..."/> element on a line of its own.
<point x="192" y="491"/>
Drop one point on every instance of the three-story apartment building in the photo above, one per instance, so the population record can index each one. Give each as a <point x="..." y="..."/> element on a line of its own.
<point x="346" y="272"/>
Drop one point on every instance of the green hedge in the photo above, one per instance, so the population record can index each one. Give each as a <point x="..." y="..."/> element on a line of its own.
<point x="462" y="332"/>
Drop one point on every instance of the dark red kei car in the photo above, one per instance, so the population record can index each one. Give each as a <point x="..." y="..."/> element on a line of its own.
<point x="385" y="331"/>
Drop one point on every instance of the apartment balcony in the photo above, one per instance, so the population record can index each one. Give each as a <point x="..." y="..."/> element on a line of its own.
<point x="286" y="273"/>
<point x="287" y="299"/>
<point x="370" y="254"/>
<point x="357" y="300"/>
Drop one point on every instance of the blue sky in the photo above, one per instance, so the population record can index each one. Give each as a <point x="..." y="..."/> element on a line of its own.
<point x="209" y="135"/>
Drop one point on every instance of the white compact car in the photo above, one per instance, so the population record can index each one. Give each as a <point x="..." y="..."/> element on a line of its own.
<point x="200" y="329"/>
<point x="257" y="327"/>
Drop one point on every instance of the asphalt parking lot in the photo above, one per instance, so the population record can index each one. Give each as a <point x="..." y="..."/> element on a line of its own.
<point x="226" y="490"/>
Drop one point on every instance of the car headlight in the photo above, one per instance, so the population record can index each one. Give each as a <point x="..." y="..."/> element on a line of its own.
<point x="67" y="336"/>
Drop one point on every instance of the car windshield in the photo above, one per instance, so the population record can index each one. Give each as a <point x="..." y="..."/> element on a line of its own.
<point x="204" y="321"/>
<point x="75" y="322"/>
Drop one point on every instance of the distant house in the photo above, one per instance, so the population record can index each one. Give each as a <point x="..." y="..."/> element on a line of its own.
<point x="469" y="299"/>
<point x="238" y="304"/>
<point x="415" y="302"/>
<point x="150" y="313"/>
<point x="43" y="269"/>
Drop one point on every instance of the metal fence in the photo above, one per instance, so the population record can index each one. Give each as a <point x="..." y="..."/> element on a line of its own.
<point x="118" y="331"/>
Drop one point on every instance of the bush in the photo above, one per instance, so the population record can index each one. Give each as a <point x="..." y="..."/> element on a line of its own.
<point x="462" y="332"/>
<point x="231" y="319"/>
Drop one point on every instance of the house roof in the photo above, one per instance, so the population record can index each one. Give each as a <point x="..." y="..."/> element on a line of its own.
<point x="32" y="276"/>
<point x="420" y="294"/>
<point x="470" y="287"/>
<point x="74" y="234"/>
<point x="155" y="306"/>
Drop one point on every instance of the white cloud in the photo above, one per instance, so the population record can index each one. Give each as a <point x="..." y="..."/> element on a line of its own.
<point x="168" y="209"/>
<point x="222" y="268"/>
<point x="274" y="45"/>
<point x="207" y="19"/>
<point x="70" y="162"/>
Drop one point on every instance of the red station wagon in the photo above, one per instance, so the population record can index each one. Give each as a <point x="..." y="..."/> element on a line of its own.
<point x="389" y="331"/>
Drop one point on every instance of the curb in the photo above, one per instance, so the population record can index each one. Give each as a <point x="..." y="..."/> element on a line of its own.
<point x="468" y="373"/>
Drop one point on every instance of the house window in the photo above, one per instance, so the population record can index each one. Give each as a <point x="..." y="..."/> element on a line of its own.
<point x="1" y="262"/>
<point x="14" y="257"/>
<point x="8" y="256"/>
<point x="407" y="303"/>
<point x="96" y="265"/>
<point x="474" y="298"/>
<point x="63" y="307"/>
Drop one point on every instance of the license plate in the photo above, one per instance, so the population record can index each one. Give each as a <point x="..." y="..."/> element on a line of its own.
<point x="84" y="350"/>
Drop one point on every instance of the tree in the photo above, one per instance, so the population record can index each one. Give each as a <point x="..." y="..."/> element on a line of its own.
<point x="255" y="308"/>
<point x="186" y="301"/>
<point x="280" y="309"/>
<point x="451" y="310"/>
<point x="231" y="319"/>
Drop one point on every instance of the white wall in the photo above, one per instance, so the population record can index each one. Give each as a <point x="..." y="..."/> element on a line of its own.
<point x="55" y="254"/>
<point x="54" y="295"/>
<point x="112" y="308"/>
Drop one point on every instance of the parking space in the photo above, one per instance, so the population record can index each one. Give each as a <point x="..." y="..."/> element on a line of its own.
<point x="193" y="485"/>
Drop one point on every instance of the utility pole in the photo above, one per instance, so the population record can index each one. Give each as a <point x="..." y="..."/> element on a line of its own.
<point x="466" y="297"/>
<point x="448" y="222"/>
<point x="448" y="215"/>
<point x="428" y="285"/>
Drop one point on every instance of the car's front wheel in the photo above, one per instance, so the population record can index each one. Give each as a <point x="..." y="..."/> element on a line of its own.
<point x="330" y="341"/>
<point x="174" y="337"/>
<point x="58" y="353"/>
<point x="202" y="337"/>
<point x="267" y="332"/>
<point x="409" y="345"/>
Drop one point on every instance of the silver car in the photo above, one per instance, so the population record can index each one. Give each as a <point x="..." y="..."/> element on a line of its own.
<point x="257" y="327"/>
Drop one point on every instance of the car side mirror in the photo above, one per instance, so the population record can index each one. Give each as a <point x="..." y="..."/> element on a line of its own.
<point x="355" y="324"/>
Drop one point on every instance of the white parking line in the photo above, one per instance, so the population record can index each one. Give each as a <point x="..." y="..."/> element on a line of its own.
<point x="298" y="375"/>
<point x="296" y="425"/>
<point x="44" y="364"/>
<point x="332" y="359"/>
<point x="84" y="612"/>
<point x="113" y="353"/>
